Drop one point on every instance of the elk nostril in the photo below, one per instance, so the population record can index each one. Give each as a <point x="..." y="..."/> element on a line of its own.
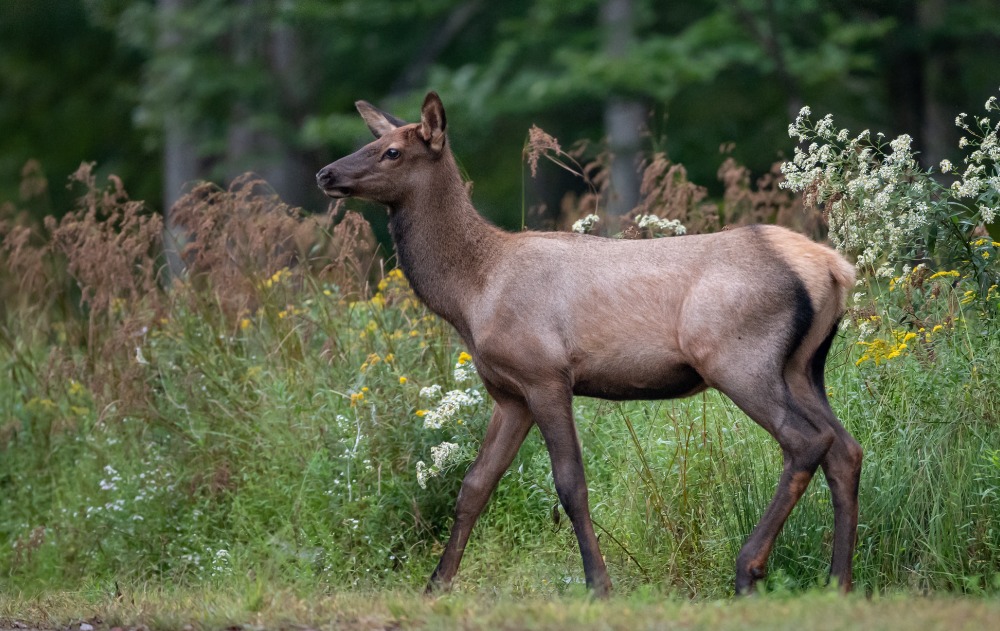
<point x="323" y="177"/>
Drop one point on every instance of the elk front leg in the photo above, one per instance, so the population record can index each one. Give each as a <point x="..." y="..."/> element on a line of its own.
<point x="506" y="431"/>
<point x="553" y="411"/>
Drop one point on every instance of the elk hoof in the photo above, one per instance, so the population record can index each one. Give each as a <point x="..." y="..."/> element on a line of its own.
<point x="746" y="580"/>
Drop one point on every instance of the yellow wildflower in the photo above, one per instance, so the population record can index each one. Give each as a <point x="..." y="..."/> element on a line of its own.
<point x="357" y="397"/>
<point x="944" y="274"/>
<point x="464" y="358"/>
<point x="421" y="412"/>
<point x="402" y="381"/>
<point x="245" y="324"/>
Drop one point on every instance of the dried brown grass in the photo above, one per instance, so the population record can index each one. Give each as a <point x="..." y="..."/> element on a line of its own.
<point x="237" y="238"/>
<point x="667" y="192"/>
<point x="93" y="283"/>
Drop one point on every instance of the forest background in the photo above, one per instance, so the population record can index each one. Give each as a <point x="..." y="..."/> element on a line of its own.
<point x="169" y="92"/>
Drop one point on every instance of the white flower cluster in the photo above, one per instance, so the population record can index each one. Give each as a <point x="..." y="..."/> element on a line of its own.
<point x="442" y="455"/>
<point x="876" y="205"/>
<point x="449" y="404"/>
<point x="980" y="182"/>
<point x="660" y="226"/>
<point x="585" y="225"/>
<point x="464" y="370"/>
<point x="429" y="392"/>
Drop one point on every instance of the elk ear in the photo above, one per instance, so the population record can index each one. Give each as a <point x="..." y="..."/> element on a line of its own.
<point x="432" y="122"/>
<point x="379" y="122"/>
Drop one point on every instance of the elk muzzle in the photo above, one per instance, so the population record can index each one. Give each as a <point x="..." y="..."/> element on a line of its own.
<point x="327" y="180"/>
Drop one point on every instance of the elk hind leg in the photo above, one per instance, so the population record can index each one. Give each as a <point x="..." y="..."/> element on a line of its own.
<point x="842" y="468"/>
<point x="804" y="444"/>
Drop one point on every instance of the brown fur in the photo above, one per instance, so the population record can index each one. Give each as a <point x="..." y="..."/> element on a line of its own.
<point x="748" y="311"/>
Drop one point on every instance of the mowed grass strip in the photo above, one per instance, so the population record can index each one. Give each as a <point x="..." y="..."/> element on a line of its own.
<point x="257" y="608"/>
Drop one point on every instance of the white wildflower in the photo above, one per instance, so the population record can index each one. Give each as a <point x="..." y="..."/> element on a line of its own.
<point x="442" y="454"/>
<point x="449" y="405"/>
<point x="946" y="166"/>
<point x="668" y="226"/>
<point x="423" y="472"/>
<point x="901" y="144"/>
<point x="585" y="225"/>
<point x="430" y="391"/>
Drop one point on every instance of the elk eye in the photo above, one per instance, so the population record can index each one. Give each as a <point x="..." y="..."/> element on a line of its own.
<point x="392" y="154"/>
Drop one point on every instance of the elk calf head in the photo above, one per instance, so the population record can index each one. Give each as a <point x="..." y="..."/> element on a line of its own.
<point x="399" y="160"/>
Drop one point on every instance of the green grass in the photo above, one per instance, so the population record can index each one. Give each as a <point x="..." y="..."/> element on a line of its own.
<point x="245" y="454"/>
<point x="259" y="608"/>
<point x="175" y="441"/>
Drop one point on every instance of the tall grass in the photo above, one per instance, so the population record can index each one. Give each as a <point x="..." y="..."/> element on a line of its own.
<point x="261" y="420"/>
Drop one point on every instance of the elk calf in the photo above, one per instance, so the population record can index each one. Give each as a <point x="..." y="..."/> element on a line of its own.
<point x="546" y="316"/>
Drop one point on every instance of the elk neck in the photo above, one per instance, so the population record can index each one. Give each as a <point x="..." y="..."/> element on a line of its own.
<point x="443" y="245"/>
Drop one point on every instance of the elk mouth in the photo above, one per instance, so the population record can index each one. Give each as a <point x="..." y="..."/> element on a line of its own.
<point x="336" y="192"/>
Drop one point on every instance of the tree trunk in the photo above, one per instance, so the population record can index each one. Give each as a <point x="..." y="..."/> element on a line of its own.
<point x="180" y="153"/>
<point x="623" y="118"/>
<point x="937" y="128"/>
<point x="274" y="49"/>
